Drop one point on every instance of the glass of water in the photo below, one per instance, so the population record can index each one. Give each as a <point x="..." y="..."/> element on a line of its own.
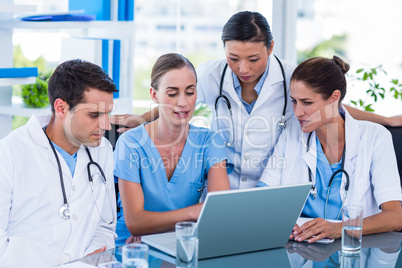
<point x="135" y="256"/>
<point x="352" y="223"/>
<point x="186" y="244"/>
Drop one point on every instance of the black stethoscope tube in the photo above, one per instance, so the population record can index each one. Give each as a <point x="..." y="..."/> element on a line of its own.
<point x="65" y="210"/>
<point x="313" y="188"/>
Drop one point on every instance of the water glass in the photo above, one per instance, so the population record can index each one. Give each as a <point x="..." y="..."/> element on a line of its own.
<point x="187" y="244"/>
<point x="350" y="261"/>
<point x="352" y="223"/>
<point x="135" y="255"/>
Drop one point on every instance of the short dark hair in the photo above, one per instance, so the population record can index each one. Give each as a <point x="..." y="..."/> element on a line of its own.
<point x="323" y="75"/>
<point x="247" y="26"/>
<point x="72" y="78"/>
<point x="167" y="62"/>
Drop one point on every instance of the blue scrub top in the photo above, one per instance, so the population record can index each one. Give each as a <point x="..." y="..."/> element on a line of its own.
<point x="314" y="208"/>
<point x="71" y="160"/>
<point x="138" y="160"/>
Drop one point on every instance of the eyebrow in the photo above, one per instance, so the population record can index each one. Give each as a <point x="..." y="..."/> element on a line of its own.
<point x="176" y="88"/>
<point x="302" y="99"/>
<point x="97" y="113"/>
<point x="254" y="55"/>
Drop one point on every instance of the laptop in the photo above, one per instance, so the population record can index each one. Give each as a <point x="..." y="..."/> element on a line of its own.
<point x="239" y="221"/>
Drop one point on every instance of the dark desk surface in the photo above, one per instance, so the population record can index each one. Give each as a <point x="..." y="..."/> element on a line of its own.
<point x="379" y="250"/>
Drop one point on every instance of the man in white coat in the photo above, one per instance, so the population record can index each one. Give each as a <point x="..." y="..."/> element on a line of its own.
<point x="49" y="211"/>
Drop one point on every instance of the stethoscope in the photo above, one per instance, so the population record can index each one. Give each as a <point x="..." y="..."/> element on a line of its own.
<point x="313" y="190"/>
<point x="282" y="121"/>
<point x="64" y="211"/>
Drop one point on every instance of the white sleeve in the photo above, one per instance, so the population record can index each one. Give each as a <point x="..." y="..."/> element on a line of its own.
<point x="201" y="83"/>
<point x="105" y="234"/>
<point x="18" y="251"/>
<point x="272" y="173"/>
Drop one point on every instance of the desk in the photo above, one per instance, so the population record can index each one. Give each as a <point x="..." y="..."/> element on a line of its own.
<point x="379" y="250"/>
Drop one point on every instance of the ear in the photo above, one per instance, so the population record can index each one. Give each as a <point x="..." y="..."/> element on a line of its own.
<point x="152" y="92"/>
<point x="61" y="108"/>
<point x="271" y="48"/>
<point x="335" y="97"/>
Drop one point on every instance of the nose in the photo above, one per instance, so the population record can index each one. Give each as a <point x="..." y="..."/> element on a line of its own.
<point x="243" y="67"/>
<point x="104" y="122"/>
<point x="298" y="110"/>
<point x="182" y="101"/>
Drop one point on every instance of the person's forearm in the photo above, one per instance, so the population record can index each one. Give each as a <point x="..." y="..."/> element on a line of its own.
<point x="385" y="221"/>
<point x="151" y="115"/>
<point x="376" y="118"/>
<point x="149" y="222"/>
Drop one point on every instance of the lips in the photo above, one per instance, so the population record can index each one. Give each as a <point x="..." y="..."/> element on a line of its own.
<point x="303" y="123"/>
<point x="245" y="77"/>
<point x="181" y="114"/>
<point x="98" y="135"/>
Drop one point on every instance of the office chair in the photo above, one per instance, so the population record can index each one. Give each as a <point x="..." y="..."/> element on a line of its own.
<point x="397" y="140"/>
<point x="112" y="135"/>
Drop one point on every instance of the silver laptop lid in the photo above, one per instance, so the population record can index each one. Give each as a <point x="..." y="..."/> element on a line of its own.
<point x="245" y="220"/>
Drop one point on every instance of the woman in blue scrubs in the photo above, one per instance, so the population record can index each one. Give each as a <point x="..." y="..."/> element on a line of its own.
<point x="163" y="166"/>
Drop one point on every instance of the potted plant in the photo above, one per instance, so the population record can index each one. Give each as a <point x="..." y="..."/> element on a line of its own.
<point x="35" y="95"/>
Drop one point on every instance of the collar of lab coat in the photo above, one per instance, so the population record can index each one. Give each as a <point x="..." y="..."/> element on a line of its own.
<point x="352" y="134"/>
<point x="34" y="126"/>
<point x="274" y="76"/>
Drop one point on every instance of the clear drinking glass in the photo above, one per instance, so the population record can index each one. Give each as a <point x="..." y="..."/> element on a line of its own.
<point x="135" y="256"/>
<point x="352" y="223"/>
<point x="187" y="244"/>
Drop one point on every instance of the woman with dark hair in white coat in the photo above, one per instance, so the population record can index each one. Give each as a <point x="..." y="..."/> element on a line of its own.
<point x="349" y="162"/>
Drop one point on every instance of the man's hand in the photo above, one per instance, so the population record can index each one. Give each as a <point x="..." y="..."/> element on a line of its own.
<point x="319" y="228"/>
<point x="127" y="120"/>
<point x="98" y="251"/>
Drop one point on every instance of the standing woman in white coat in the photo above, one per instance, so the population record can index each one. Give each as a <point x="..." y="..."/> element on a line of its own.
<point x="255" y="85"/>
<point x="349" y="162"/>
<point x="249" y="100"/>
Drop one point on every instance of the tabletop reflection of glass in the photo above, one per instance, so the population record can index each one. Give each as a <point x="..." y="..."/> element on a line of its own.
<point x="379" y="250"/>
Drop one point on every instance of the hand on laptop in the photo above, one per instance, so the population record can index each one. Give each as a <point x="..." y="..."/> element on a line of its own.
<point x="133" y="239"/>
<point x="195" y="211"/>
<point x="319" y="228"/>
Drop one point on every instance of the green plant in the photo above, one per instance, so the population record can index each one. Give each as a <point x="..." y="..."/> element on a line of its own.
<point x="35" y="95"/>
<point x="336" y="45"/>
<point x="369" y="77"/>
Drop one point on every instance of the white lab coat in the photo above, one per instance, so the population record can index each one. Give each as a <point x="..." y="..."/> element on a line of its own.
<point x="369" y="160"/>
<point x="255" y="134"/>
<point x="31" y="232"/>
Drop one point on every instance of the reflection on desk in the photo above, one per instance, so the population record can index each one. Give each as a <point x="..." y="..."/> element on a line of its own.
<point x="379" y="250"/>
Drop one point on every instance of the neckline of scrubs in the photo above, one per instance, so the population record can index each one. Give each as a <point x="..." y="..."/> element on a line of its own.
<point x="169" y="184"/>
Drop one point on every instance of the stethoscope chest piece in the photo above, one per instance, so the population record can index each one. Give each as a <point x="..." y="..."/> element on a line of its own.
<point x="313" y="192"/>
<point x="64" y="212"/>
<point x="282" y="122"/>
